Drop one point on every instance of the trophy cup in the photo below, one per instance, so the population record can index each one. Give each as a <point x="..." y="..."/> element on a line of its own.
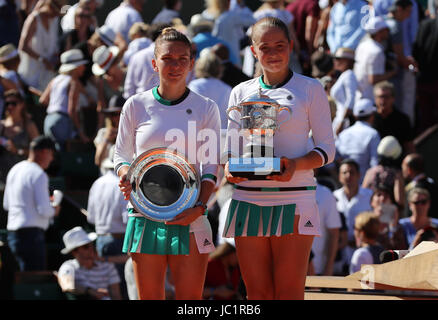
<point x="258" y="121"/>
<point x="163" y="183"/>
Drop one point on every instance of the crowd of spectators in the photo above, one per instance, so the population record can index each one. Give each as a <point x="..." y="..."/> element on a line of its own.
<point x="65" y="75"/>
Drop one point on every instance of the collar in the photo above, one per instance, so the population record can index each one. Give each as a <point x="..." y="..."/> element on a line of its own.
<point x="161" y="100"/>
<point x="267" y="86"/>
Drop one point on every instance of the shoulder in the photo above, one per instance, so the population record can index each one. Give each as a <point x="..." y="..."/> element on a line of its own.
<point x="245" y="86"/>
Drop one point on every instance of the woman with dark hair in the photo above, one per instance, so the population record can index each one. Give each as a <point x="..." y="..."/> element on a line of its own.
<point x="16" y="132"/>
<point x="145" y="120"/>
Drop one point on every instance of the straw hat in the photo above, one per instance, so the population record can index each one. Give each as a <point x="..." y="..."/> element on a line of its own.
<point x="71" y="59"/>
<point x="8" y="52"/>
<point x="76" y="238"/>
<point x="344" y="53"/>
<point x="103" y="58"/>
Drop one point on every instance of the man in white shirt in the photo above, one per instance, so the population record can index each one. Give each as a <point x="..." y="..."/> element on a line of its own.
<point x="351" y="200"/>
<point x="325" y="247"/>
<point x="369" y="67"/>
<point x="124" y="16"/>
<point x="27" y="201"/>
<point x="359" y="142"/>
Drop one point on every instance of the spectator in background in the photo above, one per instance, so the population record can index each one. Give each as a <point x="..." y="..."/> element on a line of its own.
<point x="82" y="31"/>
<point x="322" y="64"/>
<point x="425" y="51"/>
<point x="415" y="176"/>
<point x="62" y="121"/>
<point x="139" y="39"/>
<point x="351" y="199"/>
<point x="404" y="80"/>
<point x="39" y="45"/>
<point x="306" y="17"/>
<point x="388" y="120"/>
<point x="391" y="235"/>
<point x="344" y="90"/>
<point x="325" y="247"/>
<point x="360" y="141"/>
<point x="419" y="204"/>
<point x="140" y="76"/>
<point x="85" y="277"/>
<point x="366" y="231"/>
<point x="68" y="20"/>
<point x="17" y="130"/>
<point x="106" y="136"/>
<point x="342" y="31"/>
<point x="169" y="12"/>
<point x="228" y="24"/>
<point x="124" y="16"/>
<point x="231" y="75"/>
<point x="107" y="211"/>
<point x="323" y="22"/>
<point x="370" y="66"/>
<point x="387" y="172"/>
<point x="27" y="201"/>
<point x="208" y="71"/>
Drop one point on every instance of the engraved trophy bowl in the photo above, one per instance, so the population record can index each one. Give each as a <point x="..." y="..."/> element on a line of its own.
<point x="258" y="123"/>
<point x="164" y="184"/>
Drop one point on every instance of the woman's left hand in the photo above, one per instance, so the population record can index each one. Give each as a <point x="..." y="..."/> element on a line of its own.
<point x="187" y="216"/>
<point x="288" y="167"/>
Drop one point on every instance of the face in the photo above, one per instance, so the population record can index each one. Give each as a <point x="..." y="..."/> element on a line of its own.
<point x="272" y="48"/>
<point x="83" y="18"/>
<point x="173" y="62"/>
<point x="419" y="204"/>
<point x="348" y="175"/>
<point x="86" y="255"/>
<point x="402" y="14"/>
<point x="13" y="105"/>
<point x="46" y="156"/>
<point x="380" y="197"/>
<point x="384" y="101"/>
<point x="340" y="64"/>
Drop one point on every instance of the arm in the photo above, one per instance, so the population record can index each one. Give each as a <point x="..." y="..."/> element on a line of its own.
<point x="114" y="291"/>
<point x="73" y="100"/>
<point x="310" y="32"/>
<point x="331" y="249"/>
<point x="42" y="198"/>
<point x="45" y="96"/>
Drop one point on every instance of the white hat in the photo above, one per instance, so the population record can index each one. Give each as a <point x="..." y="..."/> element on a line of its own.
<point x="8" y="52"/>
<point x="75" y="238"/>
<point x="71" y="59"/>
<point x="375" y="24"/>
<point x="344" y="53"/>
<point x="363" y="107"/>
<point x="108" y="162"/>
<point x="106" y="34"/>
<point x="103" y="58"/>
<point x="389" y="147"/>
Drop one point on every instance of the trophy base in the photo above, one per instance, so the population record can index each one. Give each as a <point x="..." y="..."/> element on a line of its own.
<point x="254" y="168"/>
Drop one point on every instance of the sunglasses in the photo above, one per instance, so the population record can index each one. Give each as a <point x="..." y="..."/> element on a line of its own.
<point x="420" y="202"/>
<point x="11" y="103"/>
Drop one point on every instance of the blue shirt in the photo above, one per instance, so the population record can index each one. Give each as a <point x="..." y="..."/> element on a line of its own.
<point x="206" y="40"/>
<point x="345" y="27"/>
<point x="410" y="230"/>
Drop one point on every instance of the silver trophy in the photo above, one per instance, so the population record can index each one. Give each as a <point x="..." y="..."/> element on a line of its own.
<point x="258" y="122"/>
<point x="164" y="184"/>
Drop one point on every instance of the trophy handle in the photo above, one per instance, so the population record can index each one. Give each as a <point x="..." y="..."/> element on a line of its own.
<point x="238" y="108"/>
<point x="290" y="114"/>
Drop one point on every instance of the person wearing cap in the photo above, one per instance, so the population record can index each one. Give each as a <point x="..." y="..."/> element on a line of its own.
<point x="107" y="211"/>
<point x="106" y="136"/>
<point x="61" y="96"/>
<point x="345" y="88"/>
<point x="360" y="141"/>
<point x="389" y="121"/>
<point x="387" y="172"/>
<point x="346" y="32"/>
<point x="29" y="207"/>
<point x="370" y="57"/>
<point x="38" y="45"/>
<point x="124" y="16"/>
<point x="85" y="276"/>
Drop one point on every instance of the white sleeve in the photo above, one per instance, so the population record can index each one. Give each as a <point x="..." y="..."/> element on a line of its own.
<point x="377" y="64"/>
<point x="360" y="256"/>
<point x="320" y="122"/>
<point x="374" y="143"/>
<point x="90" y="206"/>
<point x="333" y="219"/>
<point x="42" y="198"/>
<point x="130" y="87"/>
<point x="125" y="142"/>
<point x="351" y="86"/>
<point x="211" y="140"/>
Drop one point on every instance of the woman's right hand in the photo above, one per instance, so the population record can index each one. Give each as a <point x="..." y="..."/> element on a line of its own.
<point x="124" y="184"/>
<point x="230" y="178"/>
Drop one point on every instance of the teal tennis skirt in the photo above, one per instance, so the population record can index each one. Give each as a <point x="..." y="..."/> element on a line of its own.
<point x="247" y="219"/>
<point x="146" y="236"/>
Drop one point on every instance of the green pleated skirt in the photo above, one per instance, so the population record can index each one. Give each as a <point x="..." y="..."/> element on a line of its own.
<point x="152" y="237"/>
<point x="247" y="219"/>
